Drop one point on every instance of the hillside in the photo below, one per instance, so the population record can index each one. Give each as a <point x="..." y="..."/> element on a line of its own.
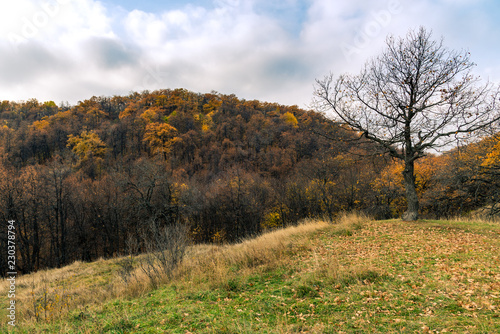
<point x="356" y="275"/>
<point x="80" y="181"/>
<point x="77" y="179"/>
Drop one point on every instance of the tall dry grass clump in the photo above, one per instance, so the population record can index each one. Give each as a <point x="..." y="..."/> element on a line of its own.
<point x="483" y="215"/>
<point x="216" y="265"/>
<point x="352" y="218"/>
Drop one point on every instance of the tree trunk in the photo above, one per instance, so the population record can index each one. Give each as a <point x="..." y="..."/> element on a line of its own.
<point x="411" y="213"/>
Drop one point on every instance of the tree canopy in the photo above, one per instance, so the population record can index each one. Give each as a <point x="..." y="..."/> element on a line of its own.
<point x="416" y="96"/>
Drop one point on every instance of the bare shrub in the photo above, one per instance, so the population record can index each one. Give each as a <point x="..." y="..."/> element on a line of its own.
<point x="165" y="247"/>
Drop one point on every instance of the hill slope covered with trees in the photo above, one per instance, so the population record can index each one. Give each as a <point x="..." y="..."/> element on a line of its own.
<point x="79" y="181"/>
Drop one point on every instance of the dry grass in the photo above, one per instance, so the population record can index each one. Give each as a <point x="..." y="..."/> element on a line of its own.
<point x="214" y="264"/>
<point x="353" y="218"/>
<point x="477" y="218"/>
<point x="50" y="294"/>
<point x="481" y="215"/>
<point x="352" y="275"/>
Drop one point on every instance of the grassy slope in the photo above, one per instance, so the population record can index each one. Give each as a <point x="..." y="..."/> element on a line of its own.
<point x="356" y="276"/>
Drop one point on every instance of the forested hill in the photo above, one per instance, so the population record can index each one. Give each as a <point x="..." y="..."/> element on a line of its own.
<point x="80" y="181"/>
<point x="198" y="135"/>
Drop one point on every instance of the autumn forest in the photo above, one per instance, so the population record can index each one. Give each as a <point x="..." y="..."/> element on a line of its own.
<point x="81" y="181"/>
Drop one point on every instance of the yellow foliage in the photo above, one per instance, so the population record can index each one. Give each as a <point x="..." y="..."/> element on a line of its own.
<point x="87" y="144"/>
<point x="127" y="112"/>
<point x="196" y="234"/>
<point x="211" y="106"/>
<point x="162" y="100"/>
<point x="390" y="178"/>
<point x="62" y="116"/>
<point x="219" y="237"/>
<point x="204" y="120"/>
<point x="290" y="119"/>
<point x="150" y="114"/>
<point x="160" y="137"/>
<point x="344" y="160"/>
<point x="425" y="170"/>
<point x="272" y="220"/>
<point x="94" y="115"/>
<point x="50" y="104"/>
<point x="493" y="157"/>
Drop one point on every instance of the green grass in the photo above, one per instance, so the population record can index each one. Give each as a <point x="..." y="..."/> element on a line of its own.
<point x="363" y="277"/>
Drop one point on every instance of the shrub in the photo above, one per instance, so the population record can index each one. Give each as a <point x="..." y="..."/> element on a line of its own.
<point x="165" y="248"/>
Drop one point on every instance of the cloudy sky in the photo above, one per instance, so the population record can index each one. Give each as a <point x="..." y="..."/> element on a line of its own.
<point x="270" y="50"/>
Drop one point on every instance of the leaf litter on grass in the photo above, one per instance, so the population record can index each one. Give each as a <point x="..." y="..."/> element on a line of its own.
<point x="384" y="276"/>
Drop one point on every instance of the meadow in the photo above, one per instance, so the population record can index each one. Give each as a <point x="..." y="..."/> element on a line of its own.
<point x="351" y="275"/>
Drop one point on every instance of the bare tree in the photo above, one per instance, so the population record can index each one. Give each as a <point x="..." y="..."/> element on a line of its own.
<point x="416" y="96"/>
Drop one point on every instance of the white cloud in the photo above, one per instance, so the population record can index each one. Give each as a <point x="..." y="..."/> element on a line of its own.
<point x="223" y="49"/>
<point x="258" y="49"/>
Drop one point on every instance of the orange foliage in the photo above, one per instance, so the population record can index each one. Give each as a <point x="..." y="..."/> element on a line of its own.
<point x="491" y="147"/>
<point x="41" y="125"/>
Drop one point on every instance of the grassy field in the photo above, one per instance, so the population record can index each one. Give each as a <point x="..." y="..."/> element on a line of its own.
<point x="353" y="276"/>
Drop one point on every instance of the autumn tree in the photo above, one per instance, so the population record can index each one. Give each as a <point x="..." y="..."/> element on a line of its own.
<point x="478" y="171"/>
<point x="416" y="96"/>
<point x="90" y="150"/>
<point x="88" y="143"/>
<point x="160" y="137"/>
